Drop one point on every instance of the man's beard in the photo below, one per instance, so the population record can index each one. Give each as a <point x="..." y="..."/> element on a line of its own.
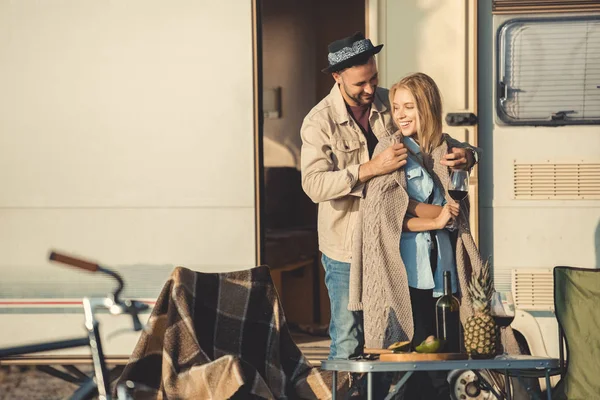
<point x="359" y="99"/>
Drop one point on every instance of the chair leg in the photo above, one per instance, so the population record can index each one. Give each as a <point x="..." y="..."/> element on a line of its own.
<point x="561" y="352"/>
<point x="548" y="386"/>
<point x="486" y="384"/>
<point x="507" y="385"/>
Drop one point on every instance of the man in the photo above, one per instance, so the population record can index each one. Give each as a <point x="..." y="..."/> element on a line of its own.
<point x="338" y="138"/>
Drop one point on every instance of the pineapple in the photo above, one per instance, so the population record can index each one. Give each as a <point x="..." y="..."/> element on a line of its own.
<point x="480" y="329"/>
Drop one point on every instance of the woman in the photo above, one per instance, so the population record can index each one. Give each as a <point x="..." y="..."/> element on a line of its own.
<point x="410" y="208"/>
<point x="425" y="244"/>
<point x="389" y="218"/>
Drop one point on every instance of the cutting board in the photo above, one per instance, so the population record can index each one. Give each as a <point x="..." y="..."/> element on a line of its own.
<point x="389" y="355"/>
<point x="422" y="356"/>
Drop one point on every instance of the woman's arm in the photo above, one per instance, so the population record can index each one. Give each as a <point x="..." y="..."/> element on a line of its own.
<point x="420" y="224"/>
<point x="423" y="210"/>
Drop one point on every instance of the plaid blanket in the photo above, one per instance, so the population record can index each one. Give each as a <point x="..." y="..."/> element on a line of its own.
<point x="220" y="336"/>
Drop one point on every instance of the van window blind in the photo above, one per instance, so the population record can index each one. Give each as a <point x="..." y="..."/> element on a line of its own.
<point x="549" y="72"/>
<point x="544" y="6"/>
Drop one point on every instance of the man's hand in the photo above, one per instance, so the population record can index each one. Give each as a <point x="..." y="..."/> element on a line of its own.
<point x="458" y="158"/>
<point x="389" y="160"/>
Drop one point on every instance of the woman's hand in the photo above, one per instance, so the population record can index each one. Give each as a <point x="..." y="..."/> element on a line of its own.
<point x="449" y="211"/>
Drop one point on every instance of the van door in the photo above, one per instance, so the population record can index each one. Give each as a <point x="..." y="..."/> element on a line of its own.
<point x="438" y="38"/>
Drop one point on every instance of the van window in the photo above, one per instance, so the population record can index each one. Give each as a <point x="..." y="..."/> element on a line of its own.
<point x="548" y="71"/>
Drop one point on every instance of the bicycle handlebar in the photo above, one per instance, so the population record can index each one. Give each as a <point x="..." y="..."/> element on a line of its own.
<point x="74" y="262"/>
<point x="100" y="383"/>
<point x="131" y="307"/>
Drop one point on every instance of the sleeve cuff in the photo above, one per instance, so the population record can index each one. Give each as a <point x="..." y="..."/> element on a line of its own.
<point x="476" y="155"/>
<point x="355" y="306"/>
<point x="356" y="187"/>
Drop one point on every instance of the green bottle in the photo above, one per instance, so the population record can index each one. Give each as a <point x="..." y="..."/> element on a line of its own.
<point x="448" y="318"/>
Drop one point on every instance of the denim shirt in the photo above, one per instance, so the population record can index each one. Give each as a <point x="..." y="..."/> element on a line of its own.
<point x="415" y="247"/>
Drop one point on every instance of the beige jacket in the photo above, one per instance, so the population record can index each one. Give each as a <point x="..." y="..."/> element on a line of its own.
<point x="378" y="280"/>
<point x="333" y="147"/>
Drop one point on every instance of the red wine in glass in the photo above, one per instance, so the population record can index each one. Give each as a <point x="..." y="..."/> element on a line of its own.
<point x="459" y="184"/>
<point x="458" y="195"/>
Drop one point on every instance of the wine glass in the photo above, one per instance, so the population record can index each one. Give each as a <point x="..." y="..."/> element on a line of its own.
<point x="459" y="184"/>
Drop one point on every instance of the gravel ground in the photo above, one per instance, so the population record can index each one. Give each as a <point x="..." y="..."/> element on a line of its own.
<point x="25" y="383"/>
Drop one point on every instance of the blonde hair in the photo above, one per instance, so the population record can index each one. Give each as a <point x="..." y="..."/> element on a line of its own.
<point x="429" y="107"/>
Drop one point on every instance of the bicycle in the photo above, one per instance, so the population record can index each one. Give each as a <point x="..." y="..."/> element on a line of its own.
<point x="99" y="383"/>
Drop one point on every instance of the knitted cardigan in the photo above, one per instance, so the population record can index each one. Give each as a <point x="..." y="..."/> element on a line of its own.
<point x="378" y="280"/>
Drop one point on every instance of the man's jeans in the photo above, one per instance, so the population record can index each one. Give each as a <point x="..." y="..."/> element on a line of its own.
<point x="345" y="327"/>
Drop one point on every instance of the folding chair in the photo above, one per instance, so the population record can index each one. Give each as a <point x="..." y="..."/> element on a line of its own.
<point x="577" y="305"/>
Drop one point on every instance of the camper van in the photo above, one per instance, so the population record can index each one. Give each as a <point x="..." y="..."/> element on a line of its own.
<point x="152" y="134"/>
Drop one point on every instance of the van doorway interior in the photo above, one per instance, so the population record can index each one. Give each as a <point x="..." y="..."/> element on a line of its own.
<point x="295" y="35"/>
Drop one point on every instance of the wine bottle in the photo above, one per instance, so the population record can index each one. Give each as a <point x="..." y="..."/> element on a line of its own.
<point x="448" y="318"/>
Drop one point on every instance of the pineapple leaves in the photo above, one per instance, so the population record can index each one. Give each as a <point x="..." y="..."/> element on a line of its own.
<point x="481" y="289"/>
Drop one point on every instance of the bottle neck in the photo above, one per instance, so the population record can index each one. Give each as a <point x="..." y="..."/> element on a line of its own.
<point x="447" y="284"/>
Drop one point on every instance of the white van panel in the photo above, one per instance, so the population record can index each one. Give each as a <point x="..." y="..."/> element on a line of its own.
<point x="126" y="136"/>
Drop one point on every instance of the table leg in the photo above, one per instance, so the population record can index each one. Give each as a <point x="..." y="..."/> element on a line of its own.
<point x="507" y="385"/>
<point x="398" y="385"/>
<point x="333" y="385"/>
<point x="548" y="385"/>
<point x="369" y="386"/>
